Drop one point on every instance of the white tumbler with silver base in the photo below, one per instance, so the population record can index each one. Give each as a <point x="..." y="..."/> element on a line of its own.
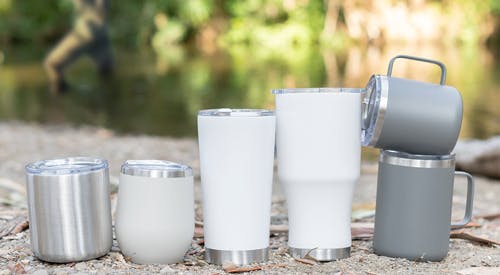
<point x="236" y="162"/>
<point x="319" y="150"/>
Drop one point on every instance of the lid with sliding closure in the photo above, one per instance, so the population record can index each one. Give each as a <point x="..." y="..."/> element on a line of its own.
<point x="156" y="169"/>
<point x="66" y="166"/>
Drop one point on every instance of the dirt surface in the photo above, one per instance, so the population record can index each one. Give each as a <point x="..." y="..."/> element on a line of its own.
<point x="23" y="143"/>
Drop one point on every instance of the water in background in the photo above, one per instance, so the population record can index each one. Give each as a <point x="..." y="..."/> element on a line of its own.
<point x="161" y="94"/>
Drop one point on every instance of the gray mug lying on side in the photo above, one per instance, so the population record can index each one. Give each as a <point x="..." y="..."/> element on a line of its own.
<point x="411" y="116"/>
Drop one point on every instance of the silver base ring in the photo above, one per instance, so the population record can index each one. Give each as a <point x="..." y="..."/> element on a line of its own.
<point x="237" y="257"/>
<point x="321" y="254"/>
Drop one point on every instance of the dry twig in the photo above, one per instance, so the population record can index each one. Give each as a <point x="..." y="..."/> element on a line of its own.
<point x="305" y="261"/>
<point x="489" y="217"/>
<point x="232" y="268"/>
<point x="14" y="226"/>
<point x="462" y="234"/>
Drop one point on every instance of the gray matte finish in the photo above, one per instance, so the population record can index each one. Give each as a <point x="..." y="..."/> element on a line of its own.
<point x="413" y="212"/>
<point x="421" y="118"/>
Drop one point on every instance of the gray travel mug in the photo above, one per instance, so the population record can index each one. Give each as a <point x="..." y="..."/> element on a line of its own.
<point x="69" y="209"/>
<point x="411" y="116"/>
<point x="414" y="202"/>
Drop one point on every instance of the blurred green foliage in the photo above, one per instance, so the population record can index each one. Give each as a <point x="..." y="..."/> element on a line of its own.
<point x="268" y="23"/>
<point x="175" y="57"/>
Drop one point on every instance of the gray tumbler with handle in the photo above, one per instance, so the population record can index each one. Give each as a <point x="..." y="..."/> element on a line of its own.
<point x="414" y="202"/>
<point x="411" y="116"/>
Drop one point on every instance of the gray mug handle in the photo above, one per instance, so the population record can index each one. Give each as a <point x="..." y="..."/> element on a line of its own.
<point x="468" y="204"/>
<point x="441" y="65"/>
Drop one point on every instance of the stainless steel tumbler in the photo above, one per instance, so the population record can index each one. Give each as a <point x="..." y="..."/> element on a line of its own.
<point x="69" y="209"/>
<point x="414" y="202"/>
<point x="411" y="116"/>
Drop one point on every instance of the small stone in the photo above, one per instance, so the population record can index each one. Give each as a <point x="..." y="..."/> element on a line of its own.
<point x="60" y="272"/>
<point x="167" y="269"/>
<point x="40" y="272"/>
<point x="25" y="261"/>
<point x="81" y="266"/>
<point x="5" y="272"/>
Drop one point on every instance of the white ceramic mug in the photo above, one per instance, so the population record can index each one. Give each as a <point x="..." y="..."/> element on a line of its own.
<point x="319" y="151"/>
<point x="155" y="211"/>
<point x="236" y="162"/>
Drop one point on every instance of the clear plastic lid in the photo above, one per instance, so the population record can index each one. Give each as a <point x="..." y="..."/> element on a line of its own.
<point x="317" y="90"/>
<point x="72" y="165"/>
<point x="156" y="169"/>
<point x="236" y="112"/>
<point x="373" y="109"/>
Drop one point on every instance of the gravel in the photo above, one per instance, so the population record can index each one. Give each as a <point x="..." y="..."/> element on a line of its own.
<point x="22" y="143"/>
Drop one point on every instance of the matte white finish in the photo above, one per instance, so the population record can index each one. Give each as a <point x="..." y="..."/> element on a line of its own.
<point x="155" y="218"/>
<point x="236" y="161"/>
<point x="319" y="150"/>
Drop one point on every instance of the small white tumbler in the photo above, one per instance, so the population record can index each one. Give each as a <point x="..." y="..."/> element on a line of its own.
<point x="236" y="162"/>
<point x="155" y="211"/>
<point x="318" y="151"/>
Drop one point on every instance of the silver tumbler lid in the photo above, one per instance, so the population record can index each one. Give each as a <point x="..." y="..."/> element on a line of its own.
<point x="156" y="169"/>
<point x="71" y="165"/>
<point x="227" y="112"/>
<point x="418" y="161"/>
<point x="316" y="90"/>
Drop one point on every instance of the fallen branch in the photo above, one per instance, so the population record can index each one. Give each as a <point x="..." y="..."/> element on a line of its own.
<point x="305" y="261"/>
<point x="462" y="234"/>
<point x="489" y="217"/>
<point x="365" y="231"/>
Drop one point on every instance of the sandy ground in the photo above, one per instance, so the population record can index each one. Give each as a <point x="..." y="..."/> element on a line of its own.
<point x="23" y="143"/>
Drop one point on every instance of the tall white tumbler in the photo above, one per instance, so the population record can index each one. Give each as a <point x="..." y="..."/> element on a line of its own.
<point x="236" y="162"/>
<point x="319" y="151"/>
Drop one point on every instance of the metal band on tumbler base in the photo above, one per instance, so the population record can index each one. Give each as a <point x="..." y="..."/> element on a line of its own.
<point x="323" y="254"/>
<point x="237" y="257"/>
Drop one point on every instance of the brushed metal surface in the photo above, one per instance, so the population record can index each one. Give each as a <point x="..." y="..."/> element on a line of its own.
<point x="417" y="161"/>
<point x="321" y="254"/>
<point x="70" y="216"/>
<point x="237" y="257"/>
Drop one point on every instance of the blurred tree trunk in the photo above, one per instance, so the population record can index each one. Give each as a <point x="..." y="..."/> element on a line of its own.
<point x="331" y="18"/>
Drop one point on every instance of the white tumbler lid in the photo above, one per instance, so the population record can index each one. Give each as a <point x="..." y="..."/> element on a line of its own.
<point x="63" y="166"/>
<point x="227" y="112"/>
<point x="156" y="169"/>
<point x="316" y="90"/>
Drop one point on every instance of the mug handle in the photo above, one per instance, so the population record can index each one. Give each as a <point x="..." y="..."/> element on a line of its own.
<point x="468" y="204"/>
<point x="441" y="65"/>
